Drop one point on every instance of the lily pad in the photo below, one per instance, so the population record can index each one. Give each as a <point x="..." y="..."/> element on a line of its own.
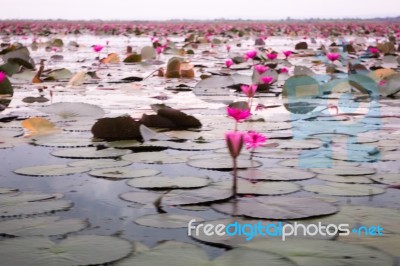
<point x="266" y="188"/>
<point x="161" y="157"/>
<point x="169" y="254"/>
<point x="276" y="174"/>
<point x="51" y="170"/>
<point x="100" y="163"/>
<point x="166" y="220"/>
<point x="346" y="179"/>
<point x="90" y="153"/>
<point x="5" y="190"/>
<point x="344" y="189"/>
<point x="41" y="226"/>
<point x="223" y="163"/>
<point x="29" y="203"/>
<point x="214" y="192"/>
<point x="140" y="197"/>
<point x="280" y="208"/>
<point x="306" y="252"/>
<point x="344" y="171"/>
<point x="163" y="182"/>
<point x="75" y="250"/>
<point x="386" y="178"/>
<point x="123" y="172"/>
<point x="73" y="109"/>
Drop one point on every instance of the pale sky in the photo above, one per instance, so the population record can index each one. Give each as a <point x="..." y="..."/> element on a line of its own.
<point x="197" y="9"/>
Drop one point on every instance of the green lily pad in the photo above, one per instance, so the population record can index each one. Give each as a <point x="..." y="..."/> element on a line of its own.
<point x="29" y="203"/>
<point x="305" y="252"/>
<point x="100" y="163"/>
<point x="386" y="243"/>
<point x="166" y="220"/>
<point x="123" y="172"/>
<point x="275" y="174"/>
<point x="386" y="178"/>
<point x="73" y="109"/>
<point x="225" y="163"/>
<point x="357" y="216"/>
<point x="51" y="170"/>
<point x="144" y="198"/>
<point x="344" y="189"/>
<point x="266" y="188"/>
<point x="187" y="146"/>
<point x="41" y="226"/>
<point x="90" y="153"/>
<point x="164" y="182"/>
<point x="214" y="192"/>
<point x="161" y="157"/>
<point x="5" y="190"/>
<point x="281" y="208"/>
<point x="169" y="254"/>
<point x="344" y="171"/>
<point x="75" y="250"/>
<point x="346" y="179"/>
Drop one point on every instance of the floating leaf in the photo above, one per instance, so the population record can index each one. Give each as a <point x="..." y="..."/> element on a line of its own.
<point x="73" y="109"/>
<point x="148" y="52"/>
<point x="112" y="58"/>
<point x="51" y="170"/>
<point x="75" y="250"/>
<point x="346" y="179"/>
<point x="266" y="188"/>
<point x="166" y="220"/>
<point x="60" y="74"/>
<point x="100" y="163"/>
<point x="38" y="125"/>
<point x="344" y="170"/>
<point x="24" y="203"/>
<point x="305" y="252"/>
<point x="275" y="174"/>
<point x="90" y="153"/>
<point x="140" y="197"/>
<point x="133" y="58"/>
<point x="161" y="157"/>
<point x="223" y="164"/>
<point x="41" y="226"/>
<point x="344" y="189"/>
<point x="214" y="192"/>
<point x="123" y="172"/>
<point x="163" y="182"/>
<point x="77" y="79"/>
<point x="168" y="254"/>
<point x="386" y="178"/>
<point x="286" y="208"/>
<point x="5" y="190"/>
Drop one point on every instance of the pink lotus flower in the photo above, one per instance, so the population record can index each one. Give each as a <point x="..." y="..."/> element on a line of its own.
<point x="97" y="48"/>
<point x="228" y="48"/>
<point x="159" y="49"/>
<point x="254" y="139"/>
<point x="238" y="114"/>
<point x="234" y="141"/>
<point x="287" y="53"/>
<point x="373" y="50"/>
<point x="260" y="69"/>
<point x="267" y="80"/>
<point x="333" y="56"/>
<point x="228" y="63"/>
<point x="250" y="91"/>
<point x="250" y="54"/>
<point x="284" y="70"/>
<point x="3" y="76"/>
<point x="272" y="56"/>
